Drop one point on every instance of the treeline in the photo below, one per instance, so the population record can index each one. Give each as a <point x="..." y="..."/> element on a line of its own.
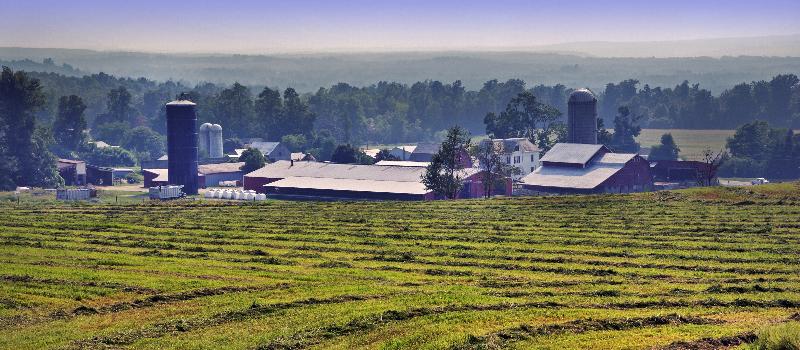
<point x="389" y="112"/>
<point x="688" y="106"/>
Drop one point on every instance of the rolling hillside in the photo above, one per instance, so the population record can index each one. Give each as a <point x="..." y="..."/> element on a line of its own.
<point x="703" y="266"/>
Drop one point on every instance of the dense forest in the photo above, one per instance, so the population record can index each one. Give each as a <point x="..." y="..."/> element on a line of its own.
<point x="61" y="113"/>
<point x="391" y="112"/>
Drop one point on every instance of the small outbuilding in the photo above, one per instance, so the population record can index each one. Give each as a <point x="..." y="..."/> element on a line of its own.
<point x="72" y="171"/>
<point x="272" y="151"/>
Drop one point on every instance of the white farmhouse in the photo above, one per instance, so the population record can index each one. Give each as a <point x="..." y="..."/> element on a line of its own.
<point x="520" y="153"/>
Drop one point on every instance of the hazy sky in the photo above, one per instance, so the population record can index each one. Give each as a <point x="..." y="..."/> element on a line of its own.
<point x="310" y="25"/>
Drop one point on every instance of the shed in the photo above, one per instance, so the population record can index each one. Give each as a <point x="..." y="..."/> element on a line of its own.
<point x="72" y="171"/>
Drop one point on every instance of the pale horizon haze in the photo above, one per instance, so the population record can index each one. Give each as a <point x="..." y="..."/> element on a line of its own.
<point x="252" y="27"/>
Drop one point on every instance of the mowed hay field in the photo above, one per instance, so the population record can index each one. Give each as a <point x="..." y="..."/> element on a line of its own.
<point x="691" y="142"/>
<point x="700" y="268"/>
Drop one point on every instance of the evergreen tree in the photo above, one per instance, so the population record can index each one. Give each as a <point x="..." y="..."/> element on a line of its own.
<point x="667" y="150"/>
<point x="70" y="124"/>
<point x="269" y="114"/>
<point x="626" y="128"/>
<point x="443" y="175"/>
<point x="33" y="164"/>
<point x="253" y="160"/>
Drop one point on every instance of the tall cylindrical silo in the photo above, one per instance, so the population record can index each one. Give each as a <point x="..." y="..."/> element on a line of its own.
<point x="203" y="140"/>
<point x="215" y="141"/>
<point x="582" y="117"/>
<point x="182" y="145"/>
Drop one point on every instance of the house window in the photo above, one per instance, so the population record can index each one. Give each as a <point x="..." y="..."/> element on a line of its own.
<point x="532" y="158"/>
<point x="508" y="159"/>
<point x="517" y="159"/>
<point x="532" y="169"/>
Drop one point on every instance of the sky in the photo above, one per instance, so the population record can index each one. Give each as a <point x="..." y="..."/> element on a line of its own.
<point x="267" y="26"/>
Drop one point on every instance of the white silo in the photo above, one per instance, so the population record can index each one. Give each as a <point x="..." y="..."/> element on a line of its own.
<point x="215" y="141"/>
<point x="202" y="139"/>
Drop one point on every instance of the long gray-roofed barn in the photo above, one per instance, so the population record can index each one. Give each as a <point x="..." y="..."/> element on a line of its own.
<point x="315" y="180"/>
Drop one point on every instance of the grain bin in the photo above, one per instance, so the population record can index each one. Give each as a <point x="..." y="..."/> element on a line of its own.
<point x="215" y="141"/>
<point x="182" y="145"/>
<point x="582" y="117"/>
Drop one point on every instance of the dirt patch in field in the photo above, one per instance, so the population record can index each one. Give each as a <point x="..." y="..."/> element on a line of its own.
<point x="184" y="325"/>
<point x="713" y="343"/>
<point x="371" y="322"/>
<point x="501" y="339"/>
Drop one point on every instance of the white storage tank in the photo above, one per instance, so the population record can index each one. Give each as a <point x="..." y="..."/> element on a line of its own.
<point x="215" y="141"/>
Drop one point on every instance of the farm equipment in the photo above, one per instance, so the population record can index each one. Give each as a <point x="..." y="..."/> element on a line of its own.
<point x="167" y="192"/>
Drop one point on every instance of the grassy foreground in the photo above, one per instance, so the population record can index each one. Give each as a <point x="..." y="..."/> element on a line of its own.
<point x="699" y="268"/>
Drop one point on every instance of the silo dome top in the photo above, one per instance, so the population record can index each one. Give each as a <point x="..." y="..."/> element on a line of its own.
<point x="181" y="103"/>
<point x="582" y="95"/>
<point x="216" y="127"/>
<point x="205" y="126"/>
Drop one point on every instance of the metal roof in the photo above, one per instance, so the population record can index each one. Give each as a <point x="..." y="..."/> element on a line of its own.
<point x="402" y="163"/>
<point x="162" y="175"/>
<point x="570" y="177"/>
<point x="589" y="177"/>
<point x="615" y="158"/>
<point x="572" y="153"/>
<point x="406" y="148"/>
<point x="427" y="148"/>
<point x="284" y="169"/>
<point x="582" y="96"/>
<point x="372" y="152"/>
<point x="355" y="185"/>
<point x="265" y="147"/>
<point x="219" y="168"/>
<point x="181" y="103"/>
<point x="510" y="144"/>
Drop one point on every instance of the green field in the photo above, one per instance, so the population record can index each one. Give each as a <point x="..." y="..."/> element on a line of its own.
<point x="652" y="270"/>
<point x="691" y="142"/>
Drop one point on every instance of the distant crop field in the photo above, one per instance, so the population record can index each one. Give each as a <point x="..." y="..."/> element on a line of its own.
<point x="691" y="142"/>
<point x="662" y="270"/>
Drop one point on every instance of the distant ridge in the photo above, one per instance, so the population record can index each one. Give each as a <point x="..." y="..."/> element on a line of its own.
<point x="715" y="64"/>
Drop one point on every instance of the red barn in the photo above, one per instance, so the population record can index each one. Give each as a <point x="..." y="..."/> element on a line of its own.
<point x="585" y="168"/>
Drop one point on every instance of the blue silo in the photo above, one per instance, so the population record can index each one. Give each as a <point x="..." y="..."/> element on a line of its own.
<point x="182" y="145"/>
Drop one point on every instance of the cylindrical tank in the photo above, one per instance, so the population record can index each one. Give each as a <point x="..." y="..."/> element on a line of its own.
<point x="582" y="117"/>
<point x="182" y="145"/>
<point x="215" y="141"/>
<point x="202" y="139"/>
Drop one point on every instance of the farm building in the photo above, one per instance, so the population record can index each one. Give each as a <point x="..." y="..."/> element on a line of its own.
<point x="680" y="172"/>
<point x="215" y="173"/>
<point x="424" y="153"/>
<point x="402" y="152"/>
<point x="300" y="156"/>
<point x="570" y="168"/>
<point x="207" y="175"/>
<point x="520" y="153"/>
<point x="272" y="151"/>
<point x="371" y="152"/>
<point x="402" y="163"/>
<point x="314" y="180"/>
<point x="99" y="175"/>
<point x="72" y="171"/>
